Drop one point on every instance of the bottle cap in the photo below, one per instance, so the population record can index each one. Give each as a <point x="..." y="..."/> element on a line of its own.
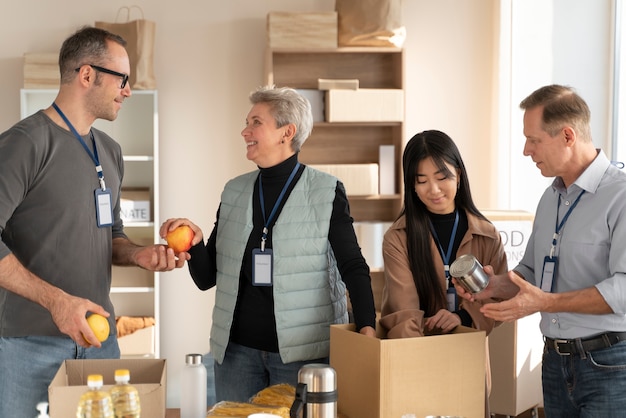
<point x="122" y="374"/>
<point x="94" y="380"/>
<point x="193" y="359"/>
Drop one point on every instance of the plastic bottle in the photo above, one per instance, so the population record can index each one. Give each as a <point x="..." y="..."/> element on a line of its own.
<point x="95" y="402"/>
<point x="193" y="384"/>
<point x="125" y="397"/>
<point x="42" y="407"/>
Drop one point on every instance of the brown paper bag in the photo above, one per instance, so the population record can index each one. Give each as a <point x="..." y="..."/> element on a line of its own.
<point x="139" y="35"/>
<point x="370" y="23"/>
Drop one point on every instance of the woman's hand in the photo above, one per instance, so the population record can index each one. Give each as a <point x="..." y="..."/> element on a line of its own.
<point x="444" y="321"/>
<point x="173" y="223"/>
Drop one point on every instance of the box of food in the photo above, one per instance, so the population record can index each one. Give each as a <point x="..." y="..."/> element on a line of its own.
<point x="148" y="376"/>
<point x="364" y="105"/>
<point x="135" y="205"/>
<point x="358" y="179"/>
<point x="438" y="375"/>
<point x="139" y="343"/>
<point x="302" y="30"/>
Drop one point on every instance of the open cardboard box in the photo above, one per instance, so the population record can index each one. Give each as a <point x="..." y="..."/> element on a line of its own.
<point x="148" y="376"/>
<point x="387" y="378"/>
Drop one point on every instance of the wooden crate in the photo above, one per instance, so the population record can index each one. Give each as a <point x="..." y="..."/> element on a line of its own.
<point x="302" y="30"/>
<point x="41" y="70"/>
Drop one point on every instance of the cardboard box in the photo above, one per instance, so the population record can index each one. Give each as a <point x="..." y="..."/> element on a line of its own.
<point x="515" y="348"/>
<point x="387" y="378"/>
<point x="70" y="382"/>
<point x="135" y="205"/>
<point x="364" y="105"/>
<point x="316" y="98"/>
<point x="515" y="352"/>
<point x="302" y="30"/>
<point x="139" y="343"/>
<point x="358" y="179"/>
<point x="41" y="70"/>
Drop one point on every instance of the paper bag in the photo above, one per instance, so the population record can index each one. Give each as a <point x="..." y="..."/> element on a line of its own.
<point x="139" y="35"/>
<point x="370" y="23"/>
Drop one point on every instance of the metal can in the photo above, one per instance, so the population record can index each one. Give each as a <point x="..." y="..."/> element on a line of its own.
<point x="469" y="273"/>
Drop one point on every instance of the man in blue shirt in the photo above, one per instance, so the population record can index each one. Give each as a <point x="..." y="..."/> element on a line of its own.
<point x="574" y="267"/>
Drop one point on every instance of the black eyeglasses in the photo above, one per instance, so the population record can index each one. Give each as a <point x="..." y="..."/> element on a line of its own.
<point x="106" y="70"/>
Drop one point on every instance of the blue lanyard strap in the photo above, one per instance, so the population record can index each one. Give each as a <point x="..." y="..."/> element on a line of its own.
<point x="446" y="257"/>
<point x="558" y="226"/>
<point x="268" y="221"/>
<point x="94" y="155"/>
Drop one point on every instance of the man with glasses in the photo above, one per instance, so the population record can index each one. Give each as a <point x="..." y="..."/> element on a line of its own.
<point x="60" y="183"/>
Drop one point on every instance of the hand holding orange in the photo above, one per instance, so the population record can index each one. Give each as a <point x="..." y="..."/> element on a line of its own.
<point x="179" y="239"/>
<point x="99" y="325"/>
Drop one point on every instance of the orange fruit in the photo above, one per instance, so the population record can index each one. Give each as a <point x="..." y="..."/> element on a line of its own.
<point x="99" y="325"/>
<point x="180" y="239"/>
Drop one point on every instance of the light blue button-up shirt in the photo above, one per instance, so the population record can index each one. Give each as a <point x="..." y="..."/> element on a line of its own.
<point x="591" y="247"/>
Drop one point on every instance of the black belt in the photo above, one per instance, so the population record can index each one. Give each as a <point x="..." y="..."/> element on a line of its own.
<point x="597" y="342"/>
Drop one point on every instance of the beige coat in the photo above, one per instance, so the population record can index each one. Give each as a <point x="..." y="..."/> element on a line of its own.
<point x="401" y="315"/>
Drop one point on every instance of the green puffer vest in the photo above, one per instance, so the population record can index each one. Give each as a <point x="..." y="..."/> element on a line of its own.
<point x="309" y="294"/>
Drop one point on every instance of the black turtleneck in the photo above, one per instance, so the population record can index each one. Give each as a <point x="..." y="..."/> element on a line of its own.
<point x="443" y="226"/>
<point x="254" y="324"/>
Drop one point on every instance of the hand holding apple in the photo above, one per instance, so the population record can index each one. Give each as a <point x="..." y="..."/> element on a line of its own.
<point x="180" y="239"/>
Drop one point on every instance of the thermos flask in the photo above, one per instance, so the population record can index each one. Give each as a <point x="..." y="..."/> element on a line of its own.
<point x="316" y="393"/>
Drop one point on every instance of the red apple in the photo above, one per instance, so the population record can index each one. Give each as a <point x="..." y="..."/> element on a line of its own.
<point x="180" y="238"/>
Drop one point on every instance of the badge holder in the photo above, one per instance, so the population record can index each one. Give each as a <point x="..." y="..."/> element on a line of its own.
<point x="104" y="207"/>
<point x="549" y="272"/>
<point x="262" y="267"/>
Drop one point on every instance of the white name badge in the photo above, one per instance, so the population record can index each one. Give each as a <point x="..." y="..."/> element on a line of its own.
<point x="104" y="208"/>
<point x="262" y="267"/>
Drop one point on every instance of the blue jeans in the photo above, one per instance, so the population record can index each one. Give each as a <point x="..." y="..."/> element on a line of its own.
<point x="589" y="385"/>
<point x="245" y="371"/>
<point x="28" y="365"/>
<point x="208" y="361"/>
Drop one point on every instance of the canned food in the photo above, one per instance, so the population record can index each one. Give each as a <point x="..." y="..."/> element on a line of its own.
<point x="469" y="273"/>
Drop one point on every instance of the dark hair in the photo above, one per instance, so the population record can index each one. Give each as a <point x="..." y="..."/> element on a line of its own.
<point x="561" y="106"/>
<point x="87" y="45"/>
<point x="440" y="147"/>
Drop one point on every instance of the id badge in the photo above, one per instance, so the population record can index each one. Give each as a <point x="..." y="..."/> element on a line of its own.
<point x="104" y="208"/>
<point x="262" y="268"/>
<point x="451" y="297"/>
<point x="549" y="272"/>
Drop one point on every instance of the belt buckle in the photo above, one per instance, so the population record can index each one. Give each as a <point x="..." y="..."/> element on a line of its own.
<point x="556" y="347"/>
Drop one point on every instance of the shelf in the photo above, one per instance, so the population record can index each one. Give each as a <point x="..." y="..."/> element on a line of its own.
<point x="347" y="142"/>
<point x="300" y="68"/>
<point x="124" y="289"/>
<point x="138" y="158"/>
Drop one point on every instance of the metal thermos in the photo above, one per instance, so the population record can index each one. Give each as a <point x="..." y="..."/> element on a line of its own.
<point x="316" y="393"/>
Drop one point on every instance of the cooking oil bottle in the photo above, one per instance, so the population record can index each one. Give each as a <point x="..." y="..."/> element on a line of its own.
<point x="95" y="402"/>
<point x="125" y="397"/>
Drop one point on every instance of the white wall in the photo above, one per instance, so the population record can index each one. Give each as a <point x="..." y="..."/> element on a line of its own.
<point x="561" y="41"/>
<point x="209" y="55"/>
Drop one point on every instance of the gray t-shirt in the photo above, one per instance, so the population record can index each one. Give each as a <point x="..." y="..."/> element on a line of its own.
<point x="48" y="217"/>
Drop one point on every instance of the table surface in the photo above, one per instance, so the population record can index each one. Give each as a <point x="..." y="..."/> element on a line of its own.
<point x="175" y="413"/>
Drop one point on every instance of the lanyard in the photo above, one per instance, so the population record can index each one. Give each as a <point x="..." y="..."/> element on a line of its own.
<point x="558" y="226"/>
<point x="267" y="221"/>
<point x="94" y="155"/>
<point x="446" y="257"/>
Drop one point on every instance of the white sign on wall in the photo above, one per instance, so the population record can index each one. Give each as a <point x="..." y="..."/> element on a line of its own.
<point x="515" y="235"/>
